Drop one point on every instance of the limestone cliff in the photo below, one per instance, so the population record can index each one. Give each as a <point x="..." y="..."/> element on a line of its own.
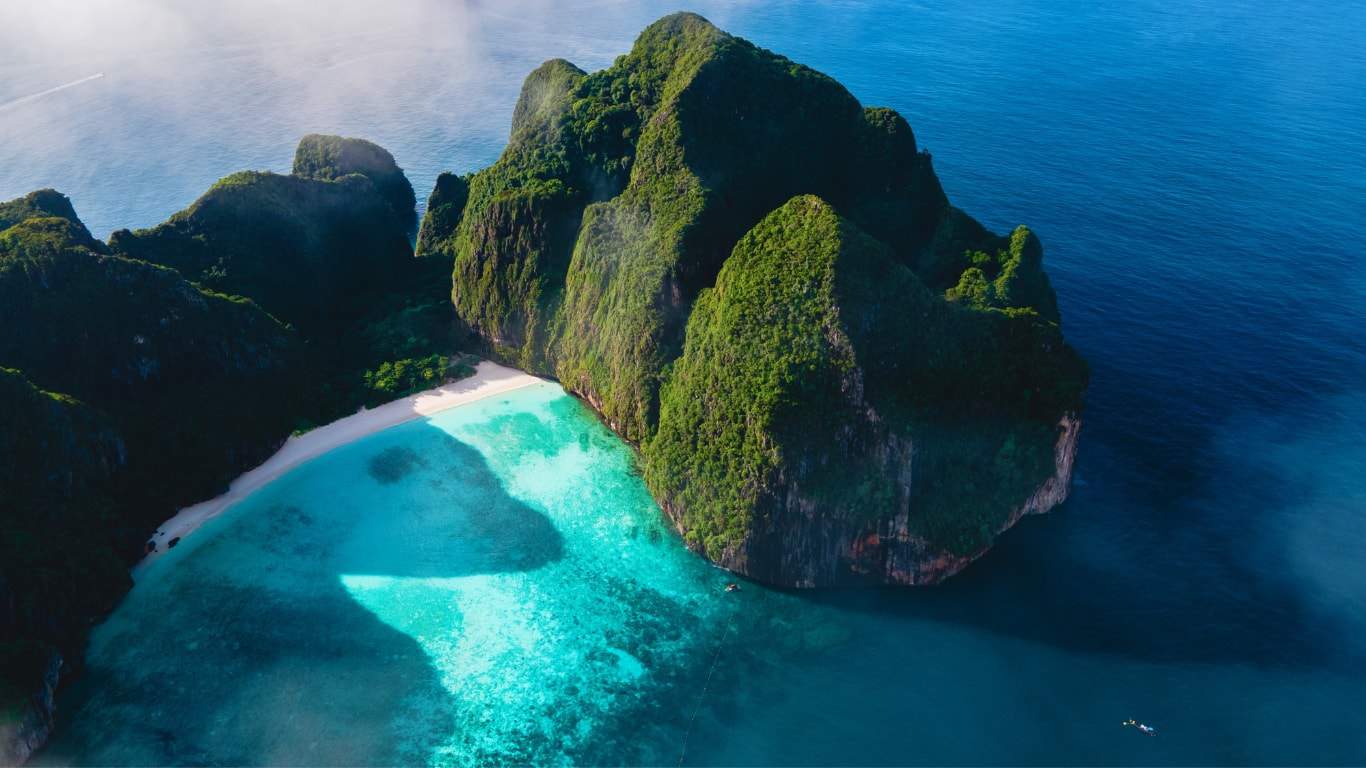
<point x="59" y="460"/>
<point x="813" y="430"/>
<point x="329" y="158"/>
<point x="605" y="248"/>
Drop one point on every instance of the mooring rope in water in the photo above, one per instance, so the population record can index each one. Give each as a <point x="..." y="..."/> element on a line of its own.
<point x="692" y="720"/>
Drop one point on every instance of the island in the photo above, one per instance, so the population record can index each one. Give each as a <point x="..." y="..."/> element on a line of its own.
<point x="832" y="374"/>
<point x="829" y="373"/>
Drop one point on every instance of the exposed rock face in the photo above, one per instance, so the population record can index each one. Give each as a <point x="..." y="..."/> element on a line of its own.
<point x="445" y="206"/>
<point x="58" y="461"/>
<point x="804" y="547"/>
<point x="883" y="416"/>
<point x="23" y="736"/>
<point x="893" y="554"/>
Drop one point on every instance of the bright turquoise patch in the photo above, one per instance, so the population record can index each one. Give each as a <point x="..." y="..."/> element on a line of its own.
<point x="493" y="584"/>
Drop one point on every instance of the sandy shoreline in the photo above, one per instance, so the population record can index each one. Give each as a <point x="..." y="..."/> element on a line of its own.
<point x="489" y="379"/>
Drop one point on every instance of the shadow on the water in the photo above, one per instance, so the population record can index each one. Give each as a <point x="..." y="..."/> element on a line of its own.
<point x="250" y="651"/>
<point x="231" y="674"/>
<point x="489" y="532"/>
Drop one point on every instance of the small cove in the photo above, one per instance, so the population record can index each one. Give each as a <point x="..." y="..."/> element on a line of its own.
<point x="488" y="584"/>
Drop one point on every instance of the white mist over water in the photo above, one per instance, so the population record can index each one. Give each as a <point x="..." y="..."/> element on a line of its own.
<point x="194" y="91"/>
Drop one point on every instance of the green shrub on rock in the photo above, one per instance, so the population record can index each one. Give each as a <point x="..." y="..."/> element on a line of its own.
<point x="329" y="158"/>
<point x="312" y="253"/>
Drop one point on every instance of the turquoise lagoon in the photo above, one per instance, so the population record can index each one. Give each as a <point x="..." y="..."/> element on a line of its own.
<point x="494" y="585"/>
<point x="490" y="584"/>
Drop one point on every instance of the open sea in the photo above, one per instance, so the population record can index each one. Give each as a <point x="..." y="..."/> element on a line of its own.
<point x="494" y="585"/>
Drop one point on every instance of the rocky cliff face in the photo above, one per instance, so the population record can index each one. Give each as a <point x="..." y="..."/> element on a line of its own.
<point x="32" y="723"/>
<point x="803" y="546"/>
<point x="801" y="440"/>
<point x="890" y="553"/>
<point x="884" y="415"/>
<point x="58" y="564"/>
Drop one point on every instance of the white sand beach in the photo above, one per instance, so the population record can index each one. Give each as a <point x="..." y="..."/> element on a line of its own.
<point x="489" y="379"/>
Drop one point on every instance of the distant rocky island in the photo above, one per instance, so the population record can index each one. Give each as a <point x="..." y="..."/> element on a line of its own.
<point x="830" y="373"/>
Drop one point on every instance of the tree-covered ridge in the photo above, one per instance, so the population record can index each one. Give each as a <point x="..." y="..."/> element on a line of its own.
<point x="621" y="192"/>
<point x="145" y="346"/>
<point x="127" y="392"/>
<point x="820" y="375"/>
<point x="43" y="236"/>
<point x="761" y="375"/>
<point x="59" y="561"/>
<point x="325" y="256"/>
<point x="1011" y="279"/>
<point x="584" y="250"/>
<point x="310" y="252"/>
<point x="45" y="203"/>
<point x="153" y="391"/>
<point x="329" y="158"/>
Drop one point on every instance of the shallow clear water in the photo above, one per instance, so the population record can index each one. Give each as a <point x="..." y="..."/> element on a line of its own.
<point x="1196" y="175"/>
<point x="490" y="584"/>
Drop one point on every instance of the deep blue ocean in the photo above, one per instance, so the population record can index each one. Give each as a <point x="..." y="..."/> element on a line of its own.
<point x="1197" y="175"/>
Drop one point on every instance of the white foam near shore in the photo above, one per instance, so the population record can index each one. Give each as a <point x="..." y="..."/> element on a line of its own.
<point x="488" y="379"/>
